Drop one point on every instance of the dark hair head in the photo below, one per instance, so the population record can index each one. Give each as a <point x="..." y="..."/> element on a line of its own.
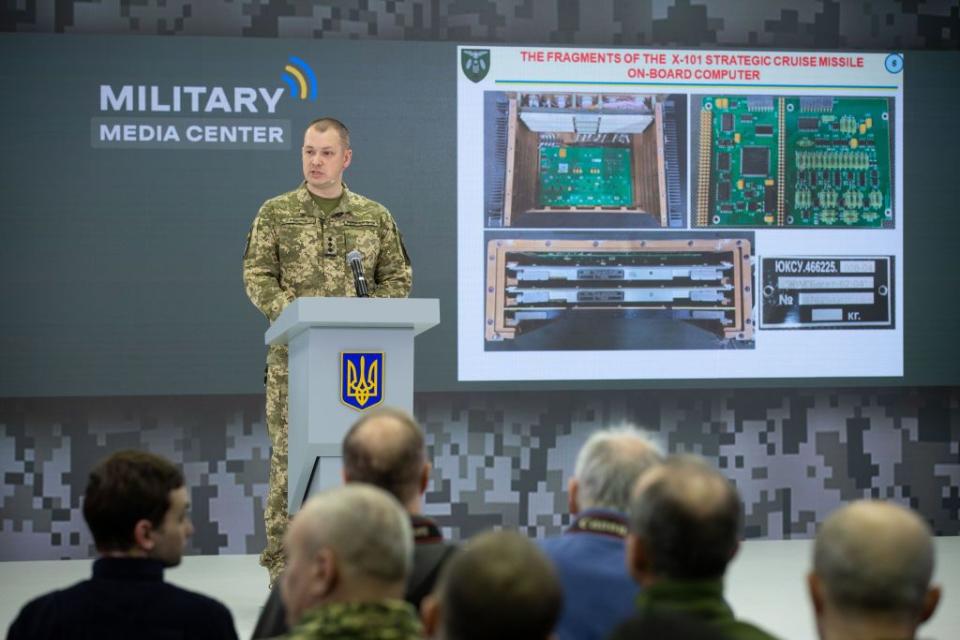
<point x="123" y="489"/>
<point x="499" y="586"/>
<point x="385" y="448"/>
<point x="688" y="517"/>
<point x="322" y="124"/>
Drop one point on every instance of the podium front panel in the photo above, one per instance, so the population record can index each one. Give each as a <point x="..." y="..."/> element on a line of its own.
<point x="319" y="413"/>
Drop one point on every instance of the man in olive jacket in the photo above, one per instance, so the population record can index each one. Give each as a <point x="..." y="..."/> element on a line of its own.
<point x="684" y="522"/>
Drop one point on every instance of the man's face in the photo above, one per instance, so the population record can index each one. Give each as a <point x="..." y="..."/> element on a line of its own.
<point x="297" y="585"/>
<point x="324" y="159"/>
<point x="170" y="538"/>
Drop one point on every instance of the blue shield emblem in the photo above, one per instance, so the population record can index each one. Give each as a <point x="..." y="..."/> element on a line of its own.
<point x="361" y="379"/>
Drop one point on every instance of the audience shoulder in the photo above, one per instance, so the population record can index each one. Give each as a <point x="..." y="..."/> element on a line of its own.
<point x="38" y="618"/>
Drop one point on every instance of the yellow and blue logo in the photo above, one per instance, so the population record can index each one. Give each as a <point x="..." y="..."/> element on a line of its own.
<point x="361" y="379"/>
<point x="301" y="79"/>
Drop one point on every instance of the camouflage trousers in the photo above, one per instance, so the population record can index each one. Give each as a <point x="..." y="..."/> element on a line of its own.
<point x="275" y="509"/>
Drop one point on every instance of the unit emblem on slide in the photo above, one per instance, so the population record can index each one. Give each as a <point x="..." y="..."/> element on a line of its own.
<point x="361" y="379"/>
<point x="475" y="63"/>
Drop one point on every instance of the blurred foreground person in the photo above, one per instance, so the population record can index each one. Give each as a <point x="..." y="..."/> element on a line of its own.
<point x="598" y="591"/>
<point x="137" y="508"/>
<point x="500" y="585"/>
<point x="385" y="448"/>
<point x="349" y="551"/>
<point x="872" y="566"/>
<point x="685" y="522"/>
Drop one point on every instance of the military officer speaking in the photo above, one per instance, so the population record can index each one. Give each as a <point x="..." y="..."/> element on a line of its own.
<point x="297" y="247"/>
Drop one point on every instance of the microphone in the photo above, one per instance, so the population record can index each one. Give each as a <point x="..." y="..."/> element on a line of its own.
<point x="355" y="260"/>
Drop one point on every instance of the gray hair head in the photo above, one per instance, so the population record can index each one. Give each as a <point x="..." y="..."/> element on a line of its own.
<point x="875" y="557"/>
<point x="609" y="464"/>
<point x="367" y="529"/>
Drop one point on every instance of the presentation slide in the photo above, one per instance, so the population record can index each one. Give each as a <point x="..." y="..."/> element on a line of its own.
<point x="587" y="218"/>
<point x="644" y="214"/>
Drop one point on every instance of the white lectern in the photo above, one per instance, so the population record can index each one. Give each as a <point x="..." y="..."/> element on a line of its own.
<point x="326" y="335"/>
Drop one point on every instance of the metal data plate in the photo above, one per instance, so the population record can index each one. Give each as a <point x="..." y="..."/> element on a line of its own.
<point x="809" y="292"/>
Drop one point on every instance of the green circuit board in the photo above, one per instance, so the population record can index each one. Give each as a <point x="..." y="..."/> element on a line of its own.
<point x="585" y="176"/>
<point x="811" y="161"/>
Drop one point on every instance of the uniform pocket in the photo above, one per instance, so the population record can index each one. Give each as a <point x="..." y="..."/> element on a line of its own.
<point x="297" y="239"/>
<point x="364" y="237"/>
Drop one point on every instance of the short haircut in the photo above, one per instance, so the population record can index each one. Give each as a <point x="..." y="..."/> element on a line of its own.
<point x="326" y="122"/>
<point x="875" y="557"/>
<point x="124" y="488"/>
<point x="689" y="518"/>
<point x="499" y="586"/>
<point x="607" y="470"/>
<point x="366" y="528"/>
<point x="393" y="463"/>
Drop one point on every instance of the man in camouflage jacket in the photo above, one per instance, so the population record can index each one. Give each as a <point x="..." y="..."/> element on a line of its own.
<point x="297" y="247"/>
<point x="350" y="551"/>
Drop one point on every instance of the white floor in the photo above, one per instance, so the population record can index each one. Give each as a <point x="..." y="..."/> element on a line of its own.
<point x="765" y="586"/>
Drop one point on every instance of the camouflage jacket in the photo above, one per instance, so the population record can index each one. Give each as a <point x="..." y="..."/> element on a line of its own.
<point x="385" y="620"/>
<point x="295" y="250"/>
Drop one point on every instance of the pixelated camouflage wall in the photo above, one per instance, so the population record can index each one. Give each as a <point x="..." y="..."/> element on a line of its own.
<point x="822" y="24"/>
<point x="502" y="459"/>
<point x="499" y="459"/>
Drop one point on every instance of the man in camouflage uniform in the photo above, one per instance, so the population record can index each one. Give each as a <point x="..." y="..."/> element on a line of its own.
<point x="297" y="247"/>
<point x="349" y="552"/>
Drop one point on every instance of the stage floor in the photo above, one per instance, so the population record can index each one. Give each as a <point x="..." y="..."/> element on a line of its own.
<point x="765" y="586"/>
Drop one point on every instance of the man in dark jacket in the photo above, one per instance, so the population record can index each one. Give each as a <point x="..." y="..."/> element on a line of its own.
<point x="136" y="506"/>
<point x="385" y="448"/>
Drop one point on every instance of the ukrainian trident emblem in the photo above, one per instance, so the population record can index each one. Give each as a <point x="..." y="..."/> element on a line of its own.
<point x="475" y="63"/>
<point x="361" y="379"/>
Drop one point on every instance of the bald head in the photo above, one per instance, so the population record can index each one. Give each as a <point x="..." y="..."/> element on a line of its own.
<point x="499" y="586"/>
<point x="386" y="448"/>
<point x="874" y="557"/>
<point x="687" y="517"/>
<point x="365" y="526"/>
<point x="352" y="544"/>
<point x="609" y="464"/>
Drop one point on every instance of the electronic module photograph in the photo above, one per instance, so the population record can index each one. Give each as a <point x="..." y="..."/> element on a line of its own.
<point x="796" y="162"/>
<point x="584" y="160"/>
<point x="557" y="292"/>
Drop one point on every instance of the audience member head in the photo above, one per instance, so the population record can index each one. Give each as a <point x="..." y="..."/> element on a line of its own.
<point x="386" y="448"/>
<point x="136" y="505"/>
<point x="500" y="585"/>
<point x="872" y="566"/>
<point x="608" y="466"/>
<point x="349" y="544"/>
<point x="684" y="522"/>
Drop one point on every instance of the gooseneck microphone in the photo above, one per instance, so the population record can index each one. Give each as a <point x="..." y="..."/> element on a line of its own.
<point x="355" y="260"/>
